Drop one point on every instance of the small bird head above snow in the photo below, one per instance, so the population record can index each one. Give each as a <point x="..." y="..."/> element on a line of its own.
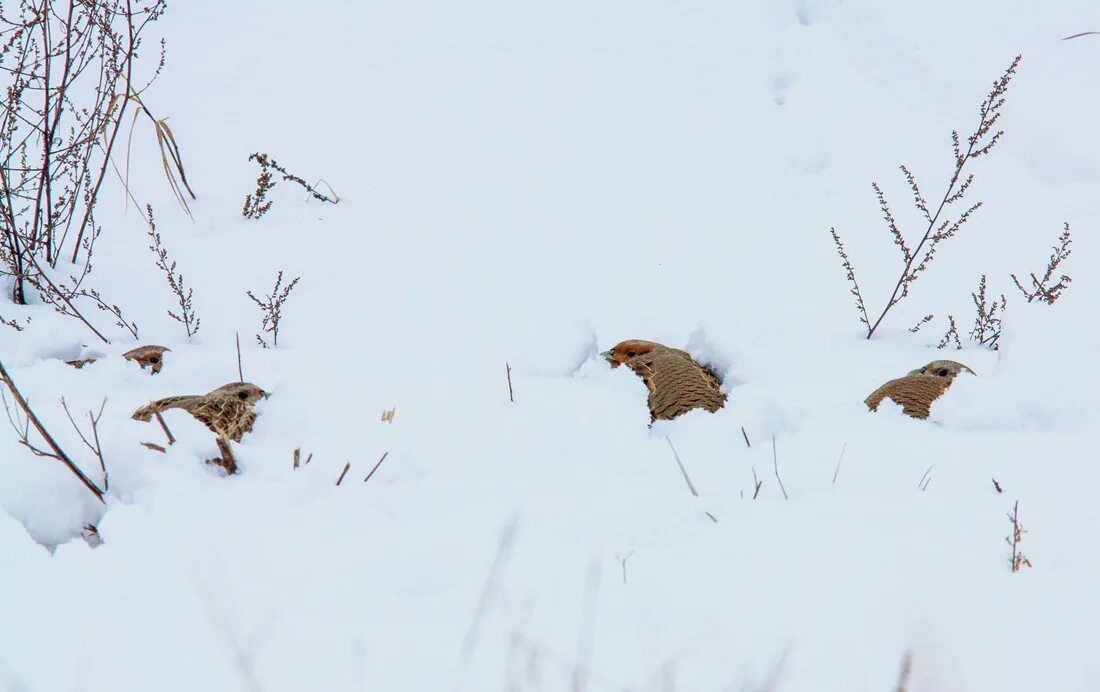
<point x="625" y="350"/>
<point x="942" y="368"/>
<point x="245" y="391"/>
<point x="151" y="357"/>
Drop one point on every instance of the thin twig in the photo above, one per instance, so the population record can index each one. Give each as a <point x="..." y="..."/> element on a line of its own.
<point x="508" y="371"/>
<point x="921" y="481"/>
<point x="622" y="561"/>
<point x="384" y="455"/>
<point x="842" y="450"/>
<point x="775" y="463"/>
<point x="343" y="473"/>
<point x="757" y="483"/>
<point x="746" y="436"/>
<point x="57" y="453"/>
<point x="240" y="369"/>
<point x="164" y="427"/>
<point x="679" y="463"/>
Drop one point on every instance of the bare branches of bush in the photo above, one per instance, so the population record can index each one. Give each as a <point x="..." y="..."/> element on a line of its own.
<point x="1018" y="560"/>
<point x="952" y="335"/>
<point x="186" y="315"/>
<point x="52" y="449"/>
<point x="938" y="225"/>
<point x="257" y="204"/>
<point x="987" y="325"/>
<point x="272" y="308"/>
<point x="58" y="125"/>
<point x="1042" y="289"/>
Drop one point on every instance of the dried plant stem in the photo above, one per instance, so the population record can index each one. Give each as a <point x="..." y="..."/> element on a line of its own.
<point x="508" y="372"/>
<point x="691" y="486"/>
<point x="240" y="368"/>
<point x="746" y="436"/>
<point x="56" y="451"/>
<point x="375" y="468"/>
<point x="837" y="472"/>
<point x="775" y="463"/>
<point x="343" y="473"/>
<point x="164" y="427"/>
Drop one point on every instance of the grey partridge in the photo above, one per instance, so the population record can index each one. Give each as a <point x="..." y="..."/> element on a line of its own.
<point x="919" y="388"/>
<point x="676" y="383"/>
<point x="226" y="411"/>
<point x="151" y="357"/>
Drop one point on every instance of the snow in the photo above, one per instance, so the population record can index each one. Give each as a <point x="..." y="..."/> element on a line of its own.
<point x="530" y="183"/>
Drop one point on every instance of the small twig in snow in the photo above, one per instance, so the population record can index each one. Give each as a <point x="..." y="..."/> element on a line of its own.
<point x="746" y="436"/>
<point x="679" y="463"/>
<point x="343" y="473"/>
<point x="384" y="455"/>
<point x="622" y="562"/>
<point x="842" y="450"/>
<point x="775" y="462"/>
<point x="508" y="372"/>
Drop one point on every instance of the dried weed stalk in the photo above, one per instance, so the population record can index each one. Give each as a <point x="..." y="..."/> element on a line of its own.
<point x="951" y="336"/>
<point x="272" y="308"/>
<point x="1018" y="560"/>
<point x="256" y="204"/>
<point x="987" y="324"/>
<point x="52" y="449"/>
<point x="938" y="226"/>
<point x="184" y="295"/>
<point x="1042" y="289"/>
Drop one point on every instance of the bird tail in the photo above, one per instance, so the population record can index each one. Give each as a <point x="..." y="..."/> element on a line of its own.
<point x="146" y="412"/>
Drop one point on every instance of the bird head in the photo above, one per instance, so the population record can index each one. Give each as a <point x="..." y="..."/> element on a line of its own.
<point x="151" y="357"/>
<point x="245" y="391"/>
<point x="625" y="350"/>
<point x="942" y="368"/>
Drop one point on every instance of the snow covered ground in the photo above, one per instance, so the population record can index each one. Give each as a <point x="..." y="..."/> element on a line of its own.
<point x="531" y="183"/>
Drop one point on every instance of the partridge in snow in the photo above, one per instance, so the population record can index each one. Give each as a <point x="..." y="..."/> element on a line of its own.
<point x="226" y="411"/>
<point x="919" y="388"/>
<point x="676" y="383"/>
<point x="151" y="357"/>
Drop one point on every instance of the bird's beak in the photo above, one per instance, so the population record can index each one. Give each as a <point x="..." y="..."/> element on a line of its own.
<point x="918" y="371"/>
<point x="265" y="394"/>
<point x="607" y="355"/>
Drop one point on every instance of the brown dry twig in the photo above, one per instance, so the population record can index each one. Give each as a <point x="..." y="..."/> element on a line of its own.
<point x="55" y="451"/>
<point x="1018" y="560"/>
<point x="272" y="308"/>
<point x="951" y="335"/>
<point x="256" y="204"/>
<point x="987" y="325"/>
<point x="1043" y="290"/>
<point x="938" y="227"/>
<point x="184" y="295"/>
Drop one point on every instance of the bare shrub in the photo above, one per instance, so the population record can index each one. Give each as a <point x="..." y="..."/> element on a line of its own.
<point x="186" y="315"/>
<point x="272" y="308"/>
<point x="938" y="226"/>
<point x="1042" y="289"/>
<point x="59" y="121"/>
<point x="951" y="336"/>
<point x="256" y="204"/>
<point x="987" y="325"/>
<point x="1018" y="560"/>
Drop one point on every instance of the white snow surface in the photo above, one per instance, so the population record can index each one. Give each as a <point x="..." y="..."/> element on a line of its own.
<point x="531" y="183"/>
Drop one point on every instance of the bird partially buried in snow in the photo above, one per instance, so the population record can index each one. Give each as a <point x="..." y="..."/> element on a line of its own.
<point x="677" y="384"/>
<point x="226" y="411"/>
<point x="151" y="357"/>
<point x="919" y="388"/>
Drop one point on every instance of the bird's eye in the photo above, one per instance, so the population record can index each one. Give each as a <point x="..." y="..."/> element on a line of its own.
<point x="942" y="372"/>
<point x="242" y="395"/>
<point x="154" y="360"/>
<point x="630" y="354"/>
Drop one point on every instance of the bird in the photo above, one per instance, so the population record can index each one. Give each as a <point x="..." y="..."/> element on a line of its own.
<point x="676" y="382"/>
<point x="151" y="357"/>
<point x="916" y="391"/>
<point x="225" y="411"/>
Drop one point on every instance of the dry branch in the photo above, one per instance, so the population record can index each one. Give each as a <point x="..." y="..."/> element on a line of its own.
<point x="55" y="451"/>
